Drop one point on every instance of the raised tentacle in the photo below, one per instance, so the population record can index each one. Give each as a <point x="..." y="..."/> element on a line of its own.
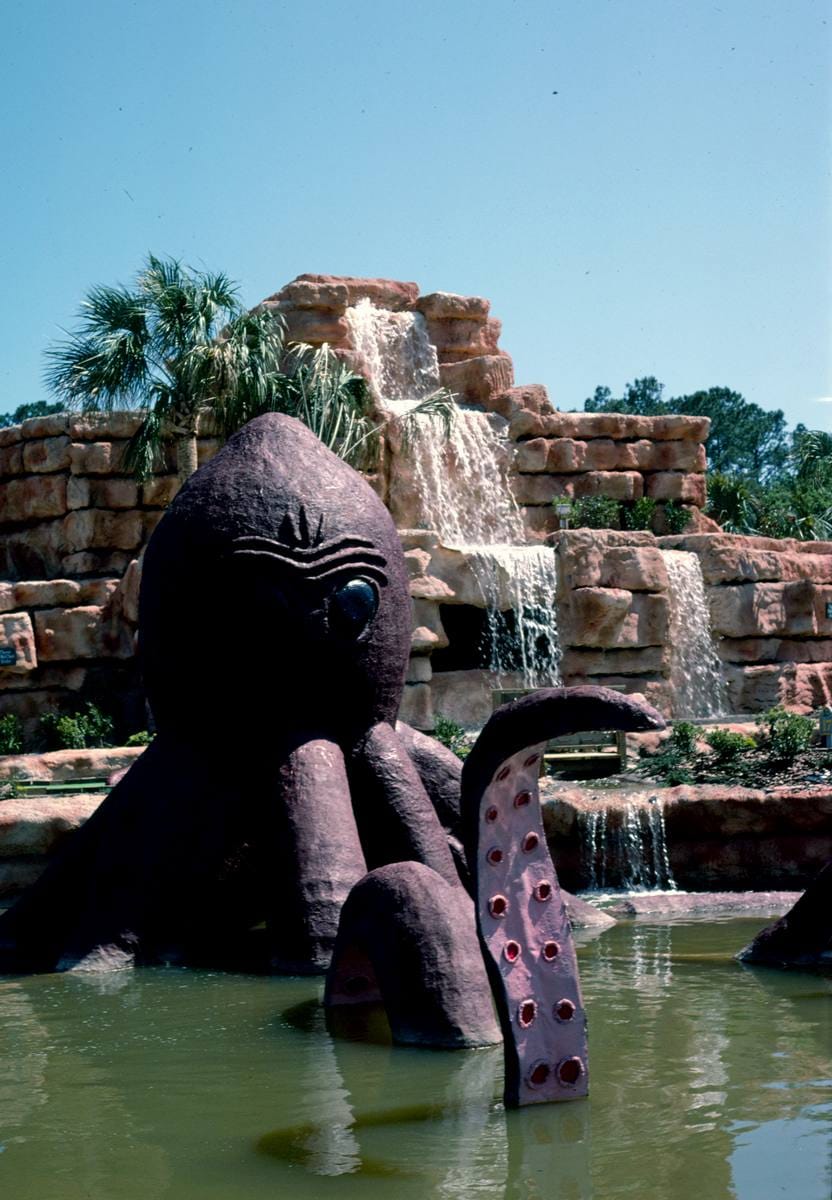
<point x="521" y="918"/>
<point x="396" y="819"/>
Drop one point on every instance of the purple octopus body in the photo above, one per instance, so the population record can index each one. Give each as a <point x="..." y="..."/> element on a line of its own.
<point x="281" y="820"/>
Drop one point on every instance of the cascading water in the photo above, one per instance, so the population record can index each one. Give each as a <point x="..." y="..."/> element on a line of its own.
<point x="696" y="676"/>
<point x="462" y="483"/>
<point x="626" y="848"/>
<point x="397" y="351"/>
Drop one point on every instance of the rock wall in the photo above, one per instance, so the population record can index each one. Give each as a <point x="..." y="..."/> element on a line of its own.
<point x="73" y="523"/>
<point x="608" y="454"/>
<point x="768" y="603"/>
<point x="771" y="612"/>
<point x="718" y="836"/>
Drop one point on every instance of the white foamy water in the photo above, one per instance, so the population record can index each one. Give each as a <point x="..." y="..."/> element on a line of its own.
<point x="696" y="677"/>
<point x="464" y="493"/>
<point x="626" y="848"/>
<point x="398" y="352"/>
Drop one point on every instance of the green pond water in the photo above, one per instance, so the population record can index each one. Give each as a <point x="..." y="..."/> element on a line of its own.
<point x="708" y="1080"/>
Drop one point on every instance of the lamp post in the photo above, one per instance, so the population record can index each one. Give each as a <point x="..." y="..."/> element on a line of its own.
<point x="563" y="508"/>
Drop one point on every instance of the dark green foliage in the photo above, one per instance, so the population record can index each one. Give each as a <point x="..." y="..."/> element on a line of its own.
<point x="673" y="764"/>
<point x="727" y="747"/>
<point x="39" y="408"/>
<point x="784" y="735"/>
<point x="683" y="738"/>
<point x="143" y="738"/>
<point x="83" y="730"/>
<point x="451" y="735"/>
<point x="639" y="514"/>
<point x="11" y="734"/>
<point x="676" y="516"/>
<point x="178" y="343"/>
<point x="595" y="512"/>
<point x="734" y="757"/>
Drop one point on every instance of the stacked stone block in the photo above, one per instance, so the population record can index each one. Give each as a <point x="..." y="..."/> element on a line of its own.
<point x="72" y="521"/>
<point x="614" y="612"/>
<point x="465" y="335"/>
<point x="575" y="455"/>
<point x="771" y="610"/>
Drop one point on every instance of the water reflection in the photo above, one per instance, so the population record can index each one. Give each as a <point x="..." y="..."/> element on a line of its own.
<point x="186" y="1085"/>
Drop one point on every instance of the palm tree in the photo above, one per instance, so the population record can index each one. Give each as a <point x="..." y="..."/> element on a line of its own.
<point x="179" y="344"/>
<point x="812" y="454"/>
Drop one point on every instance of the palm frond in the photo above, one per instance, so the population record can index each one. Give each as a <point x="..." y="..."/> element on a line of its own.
<point x="144" y="453"/>
<point x="439" y="406"/>
<point x="333" y="402"/>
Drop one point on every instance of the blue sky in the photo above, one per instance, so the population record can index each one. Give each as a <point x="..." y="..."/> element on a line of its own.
<point x="667" y="212"/>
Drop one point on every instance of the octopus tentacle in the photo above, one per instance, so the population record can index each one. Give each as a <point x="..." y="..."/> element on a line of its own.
<point x="318" y="852"/>
<point x="406" y="938"/>
<point x="521" y="917"/>
<point x="396" y="819"/>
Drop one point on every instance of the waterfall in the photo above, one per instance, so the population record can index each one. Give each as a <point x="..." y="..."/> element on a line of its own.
<point x="626" y="848"/>
<point x="696" y="677"/>
<point x="462" y="481"/>
<point x="397" y="352"/>
<point x="463" y="489"/>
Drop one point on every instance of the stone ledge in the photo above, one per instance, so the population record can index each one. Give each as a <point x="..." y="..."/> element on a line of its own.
<point x="563" y="455"/>
<point x="37" y="824"/>
<point x="448" y="306"/>
<point x="60" y="765"/>
<point x="618" y="426"/>
<point x="384" y="293"/>
<point x="536" y="490"/>
<point x="478" y="380"/>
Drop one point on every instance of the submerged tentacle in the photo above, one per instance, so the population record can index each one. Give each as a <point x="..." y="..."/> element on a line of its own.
<point x="521" y="918"/>
<point x="801" y="938"/>
<point x="318" y="855"/>
<point x="143" y="878"/>
<point x="407" y="939"/>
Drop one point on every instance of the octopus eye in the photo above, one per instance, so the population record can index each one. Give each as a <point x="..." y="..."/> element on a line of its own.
<point x="352" y="608"/>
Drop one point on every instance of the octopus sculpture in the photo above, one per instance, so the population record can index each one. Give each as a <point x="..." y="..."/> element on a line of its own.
<point x="282" y="819"/>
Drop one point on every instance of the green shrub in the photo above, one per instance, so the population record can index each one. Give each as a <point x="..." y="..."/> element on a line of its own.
<point x="596" y="512"/>
<point x="639" y="514"/>
<point x="675" y="761"/>
<point x="451" y="735"/>
<point x="11" y="734"/>
<point x="728" y="748"/>
<point x="683" y="738"/>
<point x="82" y="730"/>
<point x="676" y="516"/>
<point x="785" y="735"/>
<point x="143" y="738"/>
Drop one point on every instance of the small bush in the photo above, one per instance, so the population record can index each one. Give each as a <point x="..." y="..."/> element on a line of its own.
<point x="142" y="738"/>
<point x="451" y="735"/>
<point x="596" y="512"/>
<point x="84" y="730"/>
<point x="639" y="514"/>
<point x="676" y="516"/>
<point x="683" y="738"/>
<point x="11" y="734"/>
<point x="784" y="734"/>
<point x="728" y="748"/>
<point x="675" y="761"/>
